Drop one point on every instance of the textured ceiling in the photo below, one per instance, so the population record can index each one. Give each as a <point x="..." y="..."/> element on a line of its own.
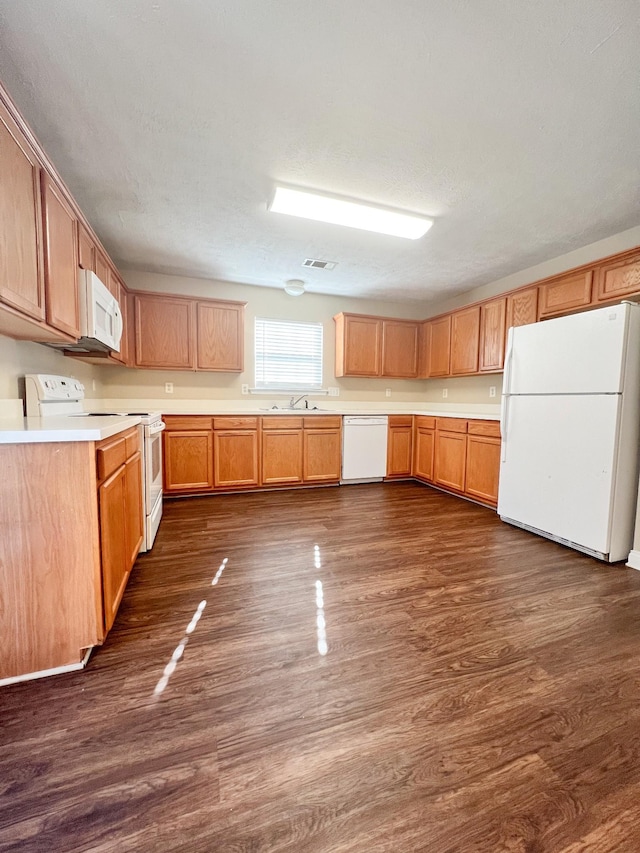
<point x="515" y="124"/>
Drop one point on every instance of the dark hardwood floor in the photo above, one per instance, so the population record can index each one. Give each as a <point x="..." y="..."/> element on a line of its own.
<point x="480" y="690"/>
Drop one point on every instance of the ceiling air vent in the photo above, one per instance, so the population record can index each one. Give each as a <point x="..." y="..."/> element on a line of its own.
<point x="319" y="265"/>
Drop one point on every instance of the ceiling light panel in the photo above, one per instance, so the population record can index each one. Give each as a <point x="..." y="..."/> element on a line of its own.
<point x="349" y="213"/>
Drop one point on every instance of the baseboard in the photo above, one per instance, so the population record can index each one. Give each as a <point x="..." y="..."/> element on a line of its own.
<point x="634" y="560"/>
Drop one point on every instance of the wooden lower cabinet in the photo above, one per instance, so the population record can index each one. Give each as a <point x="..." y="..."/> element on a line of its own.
<point x="236" y="460"/>
<point x="282" y="456"/>
<point x="424" y="447"/>
<point x="322" y="454"/>
<point x="119" y="470"/>
<point x="450" y="460"/>
<point x="483" y="468"/>
<point x="188" y="458"/>
<point x="399" y="446"/>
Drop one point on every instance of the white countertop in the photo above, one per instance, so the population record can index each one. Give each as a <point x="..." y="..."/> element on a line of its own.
<point x="64" y="428"/>
<point x="19" y="430"/>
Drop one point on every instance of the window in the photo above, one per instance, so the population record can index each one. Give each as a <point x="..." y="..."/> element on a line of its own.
<point x="288" y="355"/>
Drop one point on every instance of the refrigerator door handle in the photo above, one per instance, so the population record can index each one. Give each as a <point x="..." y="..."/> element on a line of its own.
<point x="504" y="422"/>
<point x="506" y="390"/>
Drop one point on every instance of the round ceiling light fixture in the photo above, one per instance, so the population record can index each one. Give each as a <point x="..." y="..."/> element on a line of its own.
<point x="294" y="287"/>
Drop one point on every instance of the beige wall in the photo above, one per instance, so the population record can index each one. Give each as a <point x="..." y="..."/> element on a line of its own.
<point x="593" y="252"/>
<point x="20" y="357"/>
<point x="261" y="302"/>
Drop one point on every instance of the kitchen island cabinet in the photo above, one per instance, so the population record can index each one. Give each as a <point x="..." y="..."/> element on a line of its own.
<point x="120" y="505"/>
<point x="72" y="515"/>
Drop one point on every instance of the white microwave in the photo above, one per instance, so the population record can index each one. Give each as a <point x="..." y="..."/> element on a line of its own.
<point x="100" y="317"/>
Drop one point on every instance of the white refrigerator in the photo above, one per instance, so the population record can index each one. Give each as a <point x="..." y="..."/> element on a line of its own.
<point x="570" y="430"/>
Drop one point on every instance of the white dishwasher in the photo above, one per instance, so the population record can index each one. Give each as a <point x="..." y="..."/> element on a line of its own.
<point x="364" y="448"/>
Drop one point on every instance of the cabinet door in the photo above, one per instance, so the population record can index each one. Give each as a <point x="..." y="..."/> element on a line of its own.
<point x="104" y="273"/>
<point x="321" y="455"/>
<point x="450" y="460"/>
<point x="618" y="278"/>
<point x="21" y="264"/>
<point x="281" y="456"/>
<point x="60" y="260"/>
<point x="439" y="346"/>
<point x="188" y="460"/>
<point x="565" y="294"/>
<point x="492" y="334"/>
<point x="483" y="468"/>
<point x="465" y="340"/>
<point x="399" y="446"/>
<point x="164" y="332"/>
<point x="362" y="346"/>
<point x="235" y="458"/>
<point x="522" y="307"/>
<point x="86" y="250"/>
<point x="133" y="507"/>
<point x="113" y="544"/>
<point x="423" y="453"/>
<point x="399" y="349"/>
<point x="220" y="337"/>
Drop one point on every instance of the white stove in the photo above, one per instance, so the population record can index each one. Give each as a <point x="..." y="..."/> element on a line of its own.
<point x="48" y="395"/>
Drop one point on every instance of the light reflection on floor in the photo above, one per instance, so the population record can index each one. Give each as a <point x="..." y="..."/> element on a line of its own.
<point x="321" y="622"/>
<point x="179" y="649"/>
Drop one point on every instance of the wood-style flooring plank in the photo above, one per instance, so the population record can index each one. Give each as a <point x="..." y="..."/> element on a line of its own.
<point x="480" y="690"/>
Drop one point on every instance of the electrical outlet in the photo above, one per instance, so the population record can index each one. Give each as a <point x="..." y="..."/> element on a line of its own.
<point x="334" y="392"/>
<point x="245" y="389"/>
<point x="387" y="392"/>
<point x="445" y="393"/>
<point x="168" y="387"/>
<point x="492" y="390"/>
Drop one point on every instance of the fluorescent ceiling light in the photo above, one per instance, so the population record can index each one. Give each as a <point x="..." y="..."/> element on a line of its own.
<point x="350" y="213"/>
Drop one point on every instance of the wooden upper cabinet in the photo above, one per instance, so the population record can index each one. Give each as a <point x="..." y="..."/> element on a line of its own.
<point x="86" y="250"/>
<point x="618" y="278"/>
<point x="438" y="346"/>
<point x="399" y="349"/>
<point x="358" y="345"/>
<point x="492" y="334"/>
<point x="565" y="293"/>
<point x="220" y="332"/>
<point x="164" y="332"/>
<point x="522" y="307"/>
<point x="105" y="274"/>
<point x="60" y="259"/>
<point x="465" y="340"/>
<point x="21" y="276"/>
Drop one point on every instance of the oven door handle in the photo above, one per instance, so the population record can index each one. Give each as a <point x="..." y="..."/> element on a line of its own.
<point x="157" y="428"/>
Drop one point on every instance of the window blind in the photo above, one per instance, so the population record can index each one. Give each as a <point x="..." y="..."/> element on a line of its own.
<point x="288" y="355"/>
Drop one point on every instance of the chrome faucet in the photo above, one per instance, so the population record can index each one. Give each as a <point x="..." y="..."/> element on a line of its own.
<point x="293" y="402"/>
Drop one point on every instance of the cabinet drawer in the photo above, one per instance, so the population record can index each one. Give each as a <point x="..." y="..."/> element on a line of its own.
<point x="281" y="422"/>
<point x="111" y="456"/>
<point x="182" y="422"/>
<point x="235" y="423"/>
<point x="452" y="424"/>
<point x="491" y="428"/>
<point x="322" y="422"/>
<point x="132" y="441"/>
<point x="425" y="422"/>
<point x="400" y="420"/>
